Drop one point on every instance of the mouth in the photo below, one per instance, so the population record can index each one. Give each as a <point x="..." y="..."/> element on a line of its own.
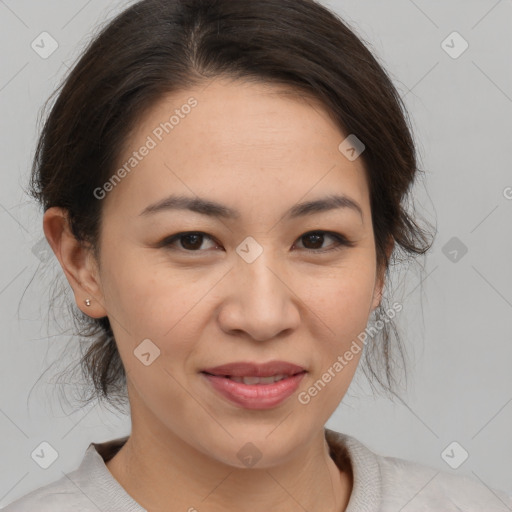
<point x="243" y="369"/>
<point x="251" y="380"/>
<point x="254" y="386"/>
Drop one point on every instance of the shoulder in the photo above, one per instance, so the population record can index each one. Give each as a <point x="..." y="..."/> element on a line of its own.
<point x="417" y="487"/>
<point x="88" y="488"/>
<point x="391" y="483"/>
<point x="60" y="495"/>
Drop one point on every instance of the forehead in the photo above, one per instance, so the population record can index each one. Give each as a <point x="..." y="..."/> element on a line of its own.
<point x="237" y="140"/>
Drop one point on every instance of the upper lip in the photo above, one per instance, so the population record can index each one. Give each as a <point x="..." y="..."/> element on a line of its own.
<point x="251" y="369"/>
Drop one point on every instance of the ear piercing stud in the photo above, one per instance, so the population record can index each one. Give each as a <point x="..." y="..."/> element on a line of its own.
<point x="87" y="302"/>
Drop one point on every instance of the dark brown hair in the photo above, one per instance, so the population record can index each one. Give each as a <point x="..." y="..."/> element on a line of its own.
<point x="156" y="47"/>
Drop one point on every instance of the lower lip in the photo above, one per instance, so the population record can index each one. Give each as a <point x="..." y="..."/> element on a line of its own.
<point x="256" y="396"/>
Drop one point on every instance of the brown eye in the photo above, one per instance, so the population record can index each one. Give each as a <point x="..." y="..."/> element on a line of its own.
<point x="314" y="240"/>
<point x="191" y="242"/>
<point x="188" y="242"/>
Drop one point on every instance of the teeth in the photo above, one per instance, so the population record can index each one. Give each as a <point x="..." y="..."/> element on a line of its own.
<point x="259" y="380"/>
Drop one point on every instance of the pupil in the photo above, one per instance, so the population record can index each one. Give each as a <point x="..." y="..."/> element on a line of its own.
<point x="194" y="245"/>
<point x="314" y="236"/>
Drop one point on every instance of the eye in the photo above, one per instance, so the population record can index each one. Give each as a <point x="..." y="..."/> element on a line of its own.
<point x="192" y="241"/>
<point x="316" y="238"/>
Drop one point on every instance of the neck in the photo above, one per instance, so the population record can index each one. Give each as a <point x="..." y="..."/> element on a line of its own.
<point x="163" y="473"/>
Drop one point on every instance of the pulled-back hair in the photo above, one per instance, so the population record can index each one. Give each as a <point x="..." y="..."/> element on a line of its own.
<point x="156" y="47"/>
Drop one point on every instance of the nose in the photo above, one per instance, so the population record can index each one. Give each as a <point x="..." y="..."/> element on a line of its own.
<point x="259" y="300"/>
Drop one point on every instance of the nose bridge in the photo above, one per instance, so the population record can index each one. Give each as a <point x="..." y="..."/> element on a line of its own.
<point x="261" y="304"/>
<point x="260" y="271"/>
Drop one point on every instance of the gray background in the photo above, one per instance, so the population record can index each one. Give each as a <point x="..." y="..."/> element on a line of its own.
<point x="457" y="325"/>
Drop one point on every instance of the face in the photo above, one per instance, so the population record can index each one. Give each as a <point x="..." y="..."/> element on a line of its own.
<point x="269" y="281"/>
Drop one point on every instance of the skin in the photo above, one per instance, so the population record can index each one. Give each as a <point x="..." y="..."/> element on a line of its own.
<point x="259" y="149"/>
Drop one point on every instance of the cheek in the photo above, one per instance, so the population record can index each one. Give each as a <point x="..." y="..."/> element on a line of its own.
<point x="148" y="301"/>
<point x="153" y="300"/>
<point x="144" y="300"/>
<point x="343" y="306"/>
<point x="343" y="303"/>
<point x="155" y="316"/>
<point x="343" y="298"/>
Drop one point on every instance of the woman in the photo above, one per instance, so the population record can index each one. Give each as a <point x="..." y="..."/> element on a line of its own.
<point x="223" y="184"/>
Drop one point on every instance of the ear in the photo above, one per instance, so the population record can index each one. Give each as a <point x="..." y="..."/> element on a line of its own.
<point x="77" y="261"/>
<point x="380" y="281"/>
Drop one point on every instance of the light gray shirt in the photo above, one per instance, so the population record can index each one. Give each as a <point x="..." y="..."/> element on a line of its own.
<point x="381" y="484"/>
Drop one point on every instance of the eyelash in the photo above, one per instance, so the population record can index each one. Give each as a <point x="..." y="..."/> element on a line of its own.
<point x="341" y="241"/>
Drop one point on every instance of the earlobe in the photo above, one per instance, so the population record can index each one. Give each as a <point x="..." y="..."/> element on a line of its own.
<point x="380" y="281"/>
<point x="77" y="262"/>
<point x="377" y="294"/>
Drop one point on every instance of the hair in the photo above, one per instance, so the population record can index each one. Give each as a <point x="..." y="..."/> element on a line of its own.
<point x="179" y="44"/>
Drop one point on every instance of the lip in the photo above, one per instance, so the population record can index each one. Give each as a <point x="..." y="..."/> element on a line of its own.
<point x="251" y="369"/>
<point x="256" y="396"/>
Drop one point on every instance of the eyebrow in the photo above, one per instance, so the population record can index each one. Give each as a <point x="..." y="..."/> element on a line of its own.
<point x="214" y="209"/>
